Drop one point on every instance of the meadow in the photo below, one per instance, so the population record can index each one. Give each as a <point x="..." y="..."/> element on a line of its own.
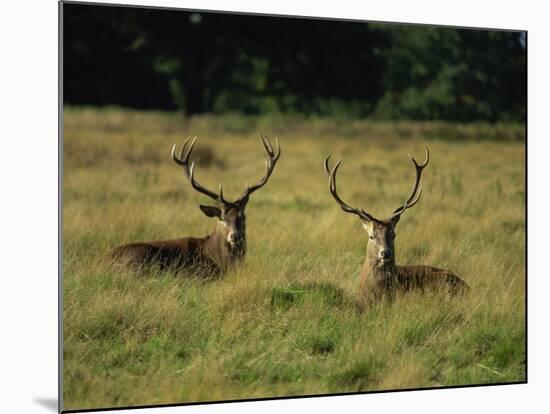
<point x="284" y="322"/>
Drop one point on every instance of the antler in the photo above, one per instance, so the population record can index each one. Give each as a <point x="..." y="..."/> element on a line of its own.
<point x="332" y="187"/>
<point x="270" y="161"/>
<point x="417" y="191"/>
<point x="183" y="160"/>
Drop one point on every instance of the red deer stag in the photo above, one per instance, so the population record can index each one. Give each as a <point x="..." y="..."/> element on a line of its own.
<point x="214" y="254"/>
<point x="380" y="276"/>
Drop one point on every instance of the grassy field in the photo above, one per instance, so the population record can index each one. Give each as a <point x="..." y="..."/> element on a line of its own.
<point x="284" y="323"/>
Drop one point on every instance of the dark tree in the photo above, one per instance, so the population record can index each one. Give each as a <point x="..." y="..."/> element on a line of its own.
<point x="213" y="62"/>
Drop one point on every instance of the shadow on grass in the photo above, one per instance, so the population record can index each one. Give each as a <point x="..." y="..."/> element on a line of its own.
<point x="359" y="376"/>
<point x="298" y="293"/>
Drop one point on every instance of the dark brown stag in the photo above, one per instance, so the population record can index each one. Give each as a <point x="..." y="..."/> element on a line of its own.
<point x="214" y="254"/>
<point x="380" y="275"/>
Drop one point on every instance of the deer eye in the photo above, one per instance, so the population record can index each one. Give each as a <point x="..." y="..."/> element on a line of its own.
<point x="371" y="237"/>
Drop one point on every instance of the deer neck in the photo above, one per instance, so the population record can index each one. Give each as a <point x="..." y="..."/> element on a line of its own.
<point x="220" y="250"/>
<point x="376" y="278"/>
<point x="373" y="269"/>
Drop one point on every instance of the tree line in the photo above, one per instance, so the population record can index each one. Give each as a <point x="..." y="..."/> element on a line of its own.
<point x="207" y="62"/>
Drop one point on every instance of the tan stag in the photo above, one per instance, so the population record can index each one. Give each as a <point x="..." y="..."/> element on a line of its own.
<point x="380" y="276"/>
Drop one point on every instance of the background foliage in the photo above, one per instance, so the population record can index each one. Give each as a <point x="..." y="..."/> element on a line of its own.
<point x="217" y="63"/>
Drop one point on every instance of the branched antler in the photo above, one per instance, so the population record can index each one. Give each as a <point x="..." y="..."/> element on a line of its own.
<point x="332" y="187"/>
<point x="188" y="170"/>
<point x="270" y="161"/>
<point x="417" y="190"/>
<point x="411" y="201"/>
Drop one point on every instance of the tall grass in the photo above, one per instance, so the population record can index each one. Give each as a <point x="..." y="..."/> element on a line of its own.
<point x="284" y="322"/>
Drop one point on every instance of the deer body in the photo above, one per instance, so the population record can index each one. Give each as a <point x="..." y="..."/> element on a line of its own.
<point x="380" y="280"/>
<point x="214" y="254"/>
<point x="207" y="256"/>
<point x="380" y="276"/>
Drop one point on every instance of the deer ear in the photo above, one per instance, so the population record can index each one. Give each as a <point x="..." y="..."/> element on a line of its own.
<point x="211" y="211"/>
<point x="367" y="225"/>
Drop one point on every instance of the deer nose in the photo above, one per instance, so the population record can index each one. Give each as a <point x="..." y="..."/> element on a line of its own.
<point x="385" y="254"/>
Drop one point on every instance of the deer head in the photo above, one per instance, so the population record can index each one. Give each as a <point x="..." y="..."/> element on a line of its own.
<point x="381" y="233"/>
<point x="230" y="214"/>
